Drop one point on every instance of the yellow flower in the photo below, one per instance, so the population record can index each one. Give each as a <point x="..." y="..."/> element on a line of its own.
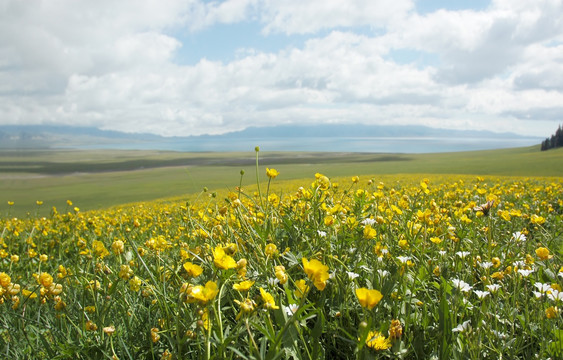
<point x="355" y="179"/>
<point x="369" y="232"/>
<point x="496" y="262"/>
<point x="543" y="253"/>
<point x="368" y="298"/>
<point x="45" y="279"/>
<point x="118" y="247"/>
<point x="268" y="299"/>
<point x="395" y="330"/>
<point x="125" y="272"/>
<point x="201" y="293"/>
<point x="91" y="326"/>
<point x="99" y="249"/>
<point x="537" y="220"/>
<point x="436" y="240"/>
<point x="193" y="269"/>
<point x="246" y="307"/>
<point x="5" y="280"/>
<point x="243" y="286"/>
<point x="280" y="274"/>
<point x="551" y="312"/>
<point x="377" y="341"/>
<point x="29" y="294"/>
<point x="317" y="272"/>
<point x="272" y="173"/>
<point x="154" y="335"/>
<point x="222" y="260"/>
<point x="271" y="249"/>
<point x="135" y="284"/>
<point x="302" y="288"/>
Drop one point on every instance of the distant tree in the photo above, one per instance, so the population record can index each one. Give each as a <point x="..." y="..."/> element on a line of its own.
<point x="555" y="141"/>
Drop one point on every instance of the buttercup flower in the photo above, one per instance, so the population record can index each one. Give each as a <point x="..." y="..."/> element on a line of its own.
<point x="302" y="288"/>
<point x="543" y="253"/>
<point x="268" y="299"/>
<point x="222" y="260"/>
<point x="368" y="298"/>
<point x="193" y="270"/>
<point x="243" y="286"/>
<point x="272" y="173"/>
<point x="317" y="272"/>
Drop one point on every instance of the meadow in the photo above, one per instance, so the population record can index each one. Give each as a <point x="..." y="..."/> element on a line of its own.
<point x="103" y="178"/>
<point x="384" y="256"/>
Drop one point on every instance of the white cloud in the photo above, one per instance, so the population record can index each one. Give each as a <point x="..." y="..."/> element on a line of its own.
<point x="303" y="17"/>
<point x="113" y="65"/>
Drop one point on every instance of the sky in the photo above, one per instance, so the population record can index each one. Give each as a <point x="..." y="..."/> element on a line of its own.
<point x="191" y="67"/>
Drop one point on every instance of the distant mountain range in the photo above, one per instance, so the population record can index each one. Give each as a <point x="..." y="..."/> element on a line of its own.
<point x="48" y="136"/>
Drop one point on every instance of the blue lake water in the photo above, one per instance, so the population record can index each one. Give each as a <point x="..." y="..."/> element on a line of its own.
<point x="333" y="144"/>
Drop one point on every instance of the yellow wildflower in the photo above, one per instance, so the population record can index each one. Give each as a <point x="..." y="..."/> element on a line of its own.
<point x="317" y="272"/>
<point x="45" y="279"/>
<point x="272" y="173"/>
<point x="368" y="298"/>
<point x="193" y="269"/>
<point x="268" y="299"/>
<point x="222" y="260"/>
<point x="270" y="249"/>
<point x="243" y="286"/>
<point x="543" y="253"/>
<point x="302" y="288"/>
<point x="551" y="312"/>
<point x="280" y="274"/>
<point x="203" y="294"/>
<point x="377" y="341"/>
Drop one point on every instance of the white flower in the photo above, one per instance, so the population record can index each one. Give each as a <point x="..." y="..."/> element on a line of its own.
<point x="543" y="288"/>
<point x="383" y="273"/>
<point x="500" y="335"/>
<point x="273" y="281"/>
<point x="519" y="264"/>
<point x="290" y="309"/>
<point x="368" y="221"/>
<point x="462" y="254"/>
<point x="384" y="251"/>
<point x="555" y="295"/>
<point x="461" y="285"/>
<point x="518" y="236"/>
<point x="403" y="259"/>
<point x="525" y="273"/>
<point x="486" y="264"/>
<point x="481" y="294"/>
<point x="493" y="287"/>
<point x="321" y="233"/>
<point x="365" y="268"/>
<point x="442" y="252"/>
<point x="463" y="326"/>
<point x="352" y="275"/>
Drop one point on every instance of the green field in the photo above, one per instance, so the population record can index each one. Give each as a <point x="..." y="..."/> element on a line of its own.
<point x="99" y="179"/>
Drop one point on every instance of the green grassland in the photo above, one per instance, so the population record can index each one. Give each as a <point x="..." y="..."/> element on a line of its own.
<point x="102" y="178"/>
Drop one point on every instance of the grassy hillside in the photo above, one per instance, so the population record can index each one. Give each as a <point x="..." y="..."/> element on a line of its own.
<point x="98" y="179"/>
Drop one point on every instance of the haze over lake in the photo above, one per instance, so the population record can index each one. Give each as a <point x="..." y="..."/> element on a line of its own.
<point x="334" y="144"/>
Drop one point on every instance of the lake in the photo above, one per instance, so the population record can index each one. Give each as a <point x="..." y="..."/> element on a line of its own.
<point x="332" y="144"/>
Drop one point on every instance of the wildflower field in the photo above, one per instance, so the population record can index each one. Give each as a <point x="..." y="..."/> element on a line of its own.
<point x="401" y="267"/>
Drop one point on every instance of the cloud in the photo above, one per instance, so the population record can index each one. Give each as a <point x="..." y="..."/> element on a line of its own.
<point x="305" y="17"/>
<point x="113" y="65"/>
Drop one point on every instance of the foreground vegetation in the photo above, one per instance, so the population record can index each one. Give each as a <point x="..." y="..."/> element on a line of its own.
<point x="99" y="179"/>
<point x="435" y="266"/>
